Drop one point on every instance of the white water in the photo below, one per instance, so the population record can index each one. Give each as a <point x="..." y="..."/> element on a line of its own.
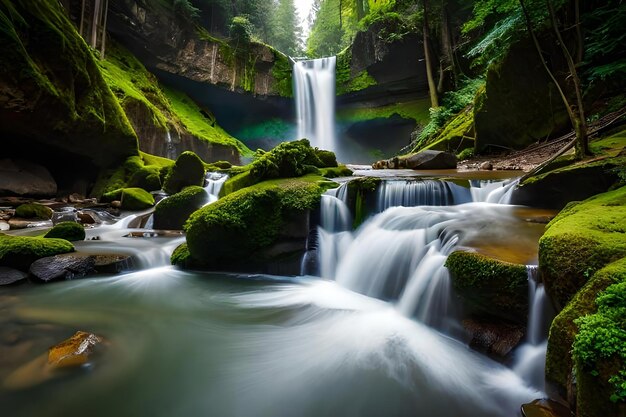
<point x="314" y="90"/>
<point x="530" y="357"/>
<point x="170" y="148"/>
<point x="214" y="182"/>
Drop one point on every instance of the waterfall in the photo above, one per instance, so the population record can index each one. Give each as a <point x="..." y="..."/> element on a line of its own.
<point x="408" y="193"/>
<point x="214" y="182"/>
<point x="314" y="90"/>
<point x="498" y="192"/>
<point x="531" y="356"/>
<point x="170" y="149"/>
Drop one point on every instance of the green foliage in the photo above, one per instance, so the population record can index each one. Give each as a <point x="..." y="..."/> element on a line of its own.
<point x="187" y="170"/>
<point x="33" y="211"/>
<point x="240" y="30"/>
<point x="466" y="153"/>
<point x="286" y="29"/>
<point x="282" y="73"/>
<point x="146" y="177"/>
<point x="70" y="231"/>
<point x="327" y="158"/>
<point x="185" y="8"/>
<point x="602" y="338"/>
<point x="340" y="171"/>
<point x="417" y="110"/>
<point x="604" y="52"/>
<point x="20" y="251"/>
<point x="490" y="286"/>
<point x="172" y="212"/>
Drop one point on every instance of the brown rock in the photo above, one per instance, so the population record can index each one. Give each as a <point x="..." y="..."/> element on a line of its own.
<point x="497" y="338"/>
<point x="85" y="217"/>
<point x="430" y="160"/>
<point x="116" y="204"/>
<point x="74" y="351"/>
<point x="19" y="223"/>
<point x="486" y="166"/>
<point x="545" y="408"/>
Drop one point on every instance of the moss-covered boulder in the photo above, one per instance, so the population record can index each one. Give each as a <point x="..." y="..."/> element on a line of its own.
<point x="69" y="231"/>
<point x="187" y="170"/>
<point x="328" y="158"/>
<point x="600" y="355"/>
<point x="361" y="198"/>
<point x="33" y="211"/>
<point x="172" y="212"/>
<point x="249" y="227"/>
<point x="489" y="286"/>
<point x="580" y="240"/>
<point x="147" y="177"/>
<point x="131" y="198"/>
<point x="581" y="254"/>
<point x="20" y="252"/>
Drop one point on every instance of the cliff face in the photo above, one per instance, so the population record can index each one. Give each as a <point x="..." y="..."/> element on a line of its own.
<point x="55" y="107"/>
<point x="167" y="42"/>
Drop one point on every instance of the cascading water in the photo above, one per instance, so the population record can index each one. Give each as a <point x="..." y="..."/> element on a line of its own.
<point x="314" y="89"/>
<point x="170" y="149"/>
<point x="214" y="182"/>
<point x="530" y="357"/>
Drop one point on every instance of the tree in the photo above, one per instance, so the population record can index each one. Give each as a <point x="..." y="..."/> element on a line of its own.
<point x="287" y="29"/>
<point x="576" y="115"/>
<point x="432" y="86"/>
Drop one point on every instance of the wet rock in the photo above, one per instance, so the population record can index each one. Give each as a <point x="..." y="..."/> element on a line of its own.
<point x="116" y="204"/>
<point x="486" y="166"/>
<point x="17" y="223"/>
<point x="10" y="276"/>
<point x="74" y="351"/>
<point x="545" y="408"/>
<point x="497" y="338"/>
<point x="25" y="178"/>
<point x="76" y="198"/>
<point x="59" y="267"/>
<point x="112" y="263"/>
<point x="430" y="160"/>
<point x="85" y="217"/>
<point x="4" y="225"/>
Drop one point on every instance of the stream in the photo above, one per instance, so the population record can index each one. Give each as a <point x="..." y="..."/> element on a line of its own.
<point x="365" y="339"/>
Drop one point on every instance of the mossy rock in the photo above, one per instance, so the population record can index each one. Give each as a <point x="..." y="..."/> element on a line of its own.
<point x="147" y="177"/>
<point x="187" y="170"/>
<point x="33" y="211"/>
<point x="490" y="286"/>
<point x="600" y="354"/>
<point x="20" y="252"/>
<point x="182" y="258"/>
<point x="581" y="240"/>
<point x="172" y="212"/>
<point x="240" y="227"/>
<point x="131" y="198"/>
<point x="69" y="231"/>
<point x="362" y="198"/>
<point x="218" y="166"/>
<point x="328" y="158"/>
<point x="339" y="171"/>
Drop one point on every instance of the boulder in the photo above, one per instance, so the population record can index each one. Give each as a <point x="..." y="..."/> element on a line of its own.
<point x="545" y="408"/>
<point x="26" y="178"/>
<point x="21" y="251"/>
<point x="16" y="223"/>
<point x="67" y="230"/>
<point x="430" y="160"/>
<point x="173" y="212"/>
<point x="74" y="351"/>
<point x="60" y="267"/>
<point x="10" y="276"/>
<point x="187" y="170"/>
<point x="34" y="211"/>
<point x="486" y="166"/>
<point x="129" y="198"/>
<point x="493" y="337"/>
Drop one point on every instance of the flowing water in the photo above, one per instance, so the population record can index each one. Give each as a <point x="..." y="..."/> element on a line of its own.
<point x="314" y="90"/>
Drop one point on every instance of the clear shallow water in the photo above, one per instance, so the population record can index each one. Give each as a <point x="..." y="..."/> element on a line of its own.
<point x="196" y="344"/>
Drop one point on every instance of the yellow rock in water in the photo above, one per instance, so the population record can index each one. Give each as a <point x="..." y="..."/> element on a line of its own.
<point x="73" y="351"/>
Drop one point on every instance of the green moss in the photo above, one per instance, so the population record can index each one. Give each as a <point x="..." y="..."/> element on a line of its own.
<point x="600" y="354"/>
<point x="490" y="286"/>
<point x="327" y="158"/>
<point x="346" y="82"/>
<point x="361" y="198"/>
<point x="457" y="134"/>
<point x="33" y="211"/>
<point x="606" y="164"/>
<point x="181" y="257"/>
<point x="282" y="73"/>
<point x="201" y="123"/>
<point x="155" y="160"/>
<point x="172" y="212"/>
<point x="218" y="166"/>
<point x="187" y="170"/>
<point x="136" y="199"/>
<point x="580" y="241"/>
<point x="340" y="171"/>
<point x="239" y="226"/>
<point x="609" y="146"/>
<point x="147" y="177"/>
<point x="237" y="182"/>
<point x="416" y="110"/>
<point x="20" y="251"/>
<point x="69" y="231"/>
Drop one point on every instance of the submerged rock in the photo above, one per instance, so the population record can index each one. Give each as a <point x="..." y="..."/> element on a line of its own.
<point x="10" y="276"/>
<point x="545" y="408"/>
<point x="498" y="338"/>
<point x="74" y="351"/>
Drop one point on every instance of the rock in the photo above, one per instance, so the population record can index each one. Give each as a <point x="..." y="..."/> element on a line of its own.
<point x="76" y="198"/>
<point x="430" y="160"/>
<point x="112" y="263"/>
<point x="545" y="408"/>
<point x="492" y="337"/>
<point x="67" y="230"/>
<point x="4" y="225"/>
<point x="26" y="178"/>
<point x="116" y="204"/>
<point x="486" y="166"/>
<point x="16" y="223"/>
<point x="10" y="276"/>
<point x="59" y="267"/>
<point x="85" y="217"/>
<point x="21" y="251"/>
<point x="172" y="212"/>
<point x="34" y="211"/>
<point x="187" y="170"/>
<point x="64" y="214"/>
<point x="130" y="198"/>
<point x="74" y="351"/>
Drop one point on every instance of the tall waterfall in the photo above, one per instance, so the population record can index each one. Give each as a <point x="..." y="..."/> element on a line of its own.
<point x="314" y="88"/>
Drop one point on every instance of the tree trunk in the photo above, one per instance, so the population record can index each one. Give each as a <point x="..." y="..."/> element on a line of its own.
<point x="82" y="19"/>
<point x="529" y="26"/>
<point x="432" y="87"/>
<point x="579" y="33"/>
<point x="104" y="29"/>
<point x="446" y="44"/>
<point x="580" y="123"/>
<point x="360" y="10"/>
<point x="95" y="18"/>
<point x="340" y="17"/>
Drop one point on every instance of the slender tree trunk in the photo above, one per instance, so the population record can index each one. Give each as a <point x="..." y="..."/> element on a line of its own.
<point x="95" y="18"/>
<point x="360" y="10"/>
<point x="82" y="19"/>
<point x="446" y="41"/>
<point x="432" y="87"/>
<point x="529" y="26"/>
<point x="340" y="17"/>
<point x="579" y="33"/>
<point x="104" y="29"/>
<point x="580" y="125"/>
